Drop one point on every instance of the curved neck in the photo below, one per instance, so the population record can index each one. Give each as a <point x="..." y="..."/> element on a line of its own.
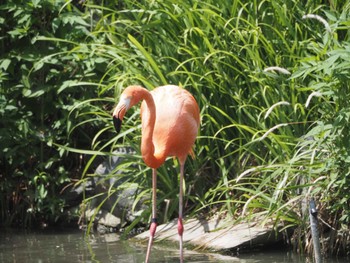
<point x="148" y="115"/>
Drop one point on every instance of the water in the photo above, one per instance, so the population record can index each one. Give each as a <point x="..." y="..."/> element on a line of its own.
<point x="73" y="246"/>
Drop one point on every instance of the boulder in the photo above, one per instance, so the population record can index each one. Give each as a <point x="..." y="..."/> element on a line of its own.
<point x="120" y="201"/>
<point x="112" y="198"/>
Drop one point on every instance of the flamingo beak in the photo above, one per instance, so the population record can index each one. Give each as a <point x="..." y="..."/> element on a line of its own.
<point x="119" y="112"/>
<point x="117" y="123"/>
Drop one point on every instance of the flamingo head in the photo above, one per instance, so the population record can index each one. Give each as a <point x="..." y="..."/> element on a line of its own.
<point x="119" y="111"/>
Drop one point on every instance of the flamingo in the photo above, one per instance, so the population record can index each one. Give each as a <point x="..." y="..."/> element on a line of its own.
<point x="170" y="122"/>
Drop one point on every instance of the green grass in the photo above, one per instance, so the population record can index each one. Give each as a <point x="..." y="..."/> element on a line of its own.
<point x="264" y="139"/>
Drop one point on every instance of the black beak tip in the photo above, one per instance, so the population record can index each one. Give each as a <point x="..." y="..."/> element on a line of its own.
<point x="117" y="123"/>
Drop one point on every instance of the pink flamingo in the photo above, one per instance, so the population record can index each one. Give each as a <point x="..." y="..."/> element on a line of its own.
<point x="170" y="122"/>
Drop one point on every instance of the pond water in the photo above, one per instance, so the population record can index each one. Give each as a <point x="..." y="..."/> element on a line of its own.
<point x="74" y="246"/>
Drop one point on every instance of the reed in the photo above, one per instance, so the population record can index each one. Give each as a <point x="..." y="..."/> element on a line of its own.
<point x="264" y="136"/>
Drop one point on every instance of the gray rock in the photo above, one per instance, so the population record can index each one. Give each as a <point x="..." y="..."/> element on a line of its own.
<point x="114" y="196"/>
<point x="109" y="192"/>
<point x="102" y="217"/>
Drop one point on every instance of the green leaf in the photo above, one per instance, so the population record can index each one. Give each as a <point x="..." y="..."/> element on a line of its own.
<point x="149" y="58"/>
<point x="5" y="63"/>
<point x="36" y="3"/>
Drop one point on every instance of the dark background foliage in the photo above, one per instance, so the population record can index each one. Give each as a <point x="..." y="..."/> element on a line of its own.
<point x="38" y="89"/>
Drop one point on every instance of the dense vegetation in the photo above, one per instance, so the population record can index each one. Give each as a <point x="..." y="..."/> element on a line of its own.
<point x="271" y="82"/>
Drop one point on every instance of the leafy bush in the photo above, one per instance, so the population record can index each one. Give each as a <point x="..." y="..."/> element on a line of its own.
<point x="40" y="83"/>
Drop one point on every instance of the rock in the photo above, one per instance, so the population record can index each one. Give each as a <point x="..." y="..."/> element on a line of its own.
<point x="118" y="203"/>
<point x="217" y="234"/>
<point x="102" y="217"/>
<point x="109" y="192"/>
<point x="121" y="202"/>
<point x="73" y="195"/>
<point x="109" y="165"/>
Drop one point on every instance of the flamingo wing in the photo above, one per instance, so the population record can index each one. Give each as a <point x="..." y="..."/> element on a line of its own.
<point x="177" y="121"/>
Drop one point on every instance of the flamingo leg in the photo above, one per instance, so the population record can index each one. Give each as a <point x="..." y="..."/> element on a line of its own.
<point x="153" y="226"/>
<point x="180" y="227"/>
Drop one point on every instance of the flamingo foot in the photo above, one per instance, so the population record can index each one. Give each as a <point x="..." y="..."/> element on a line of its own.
<point x="180" y="230"/>
<point x="152" y="231"/>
